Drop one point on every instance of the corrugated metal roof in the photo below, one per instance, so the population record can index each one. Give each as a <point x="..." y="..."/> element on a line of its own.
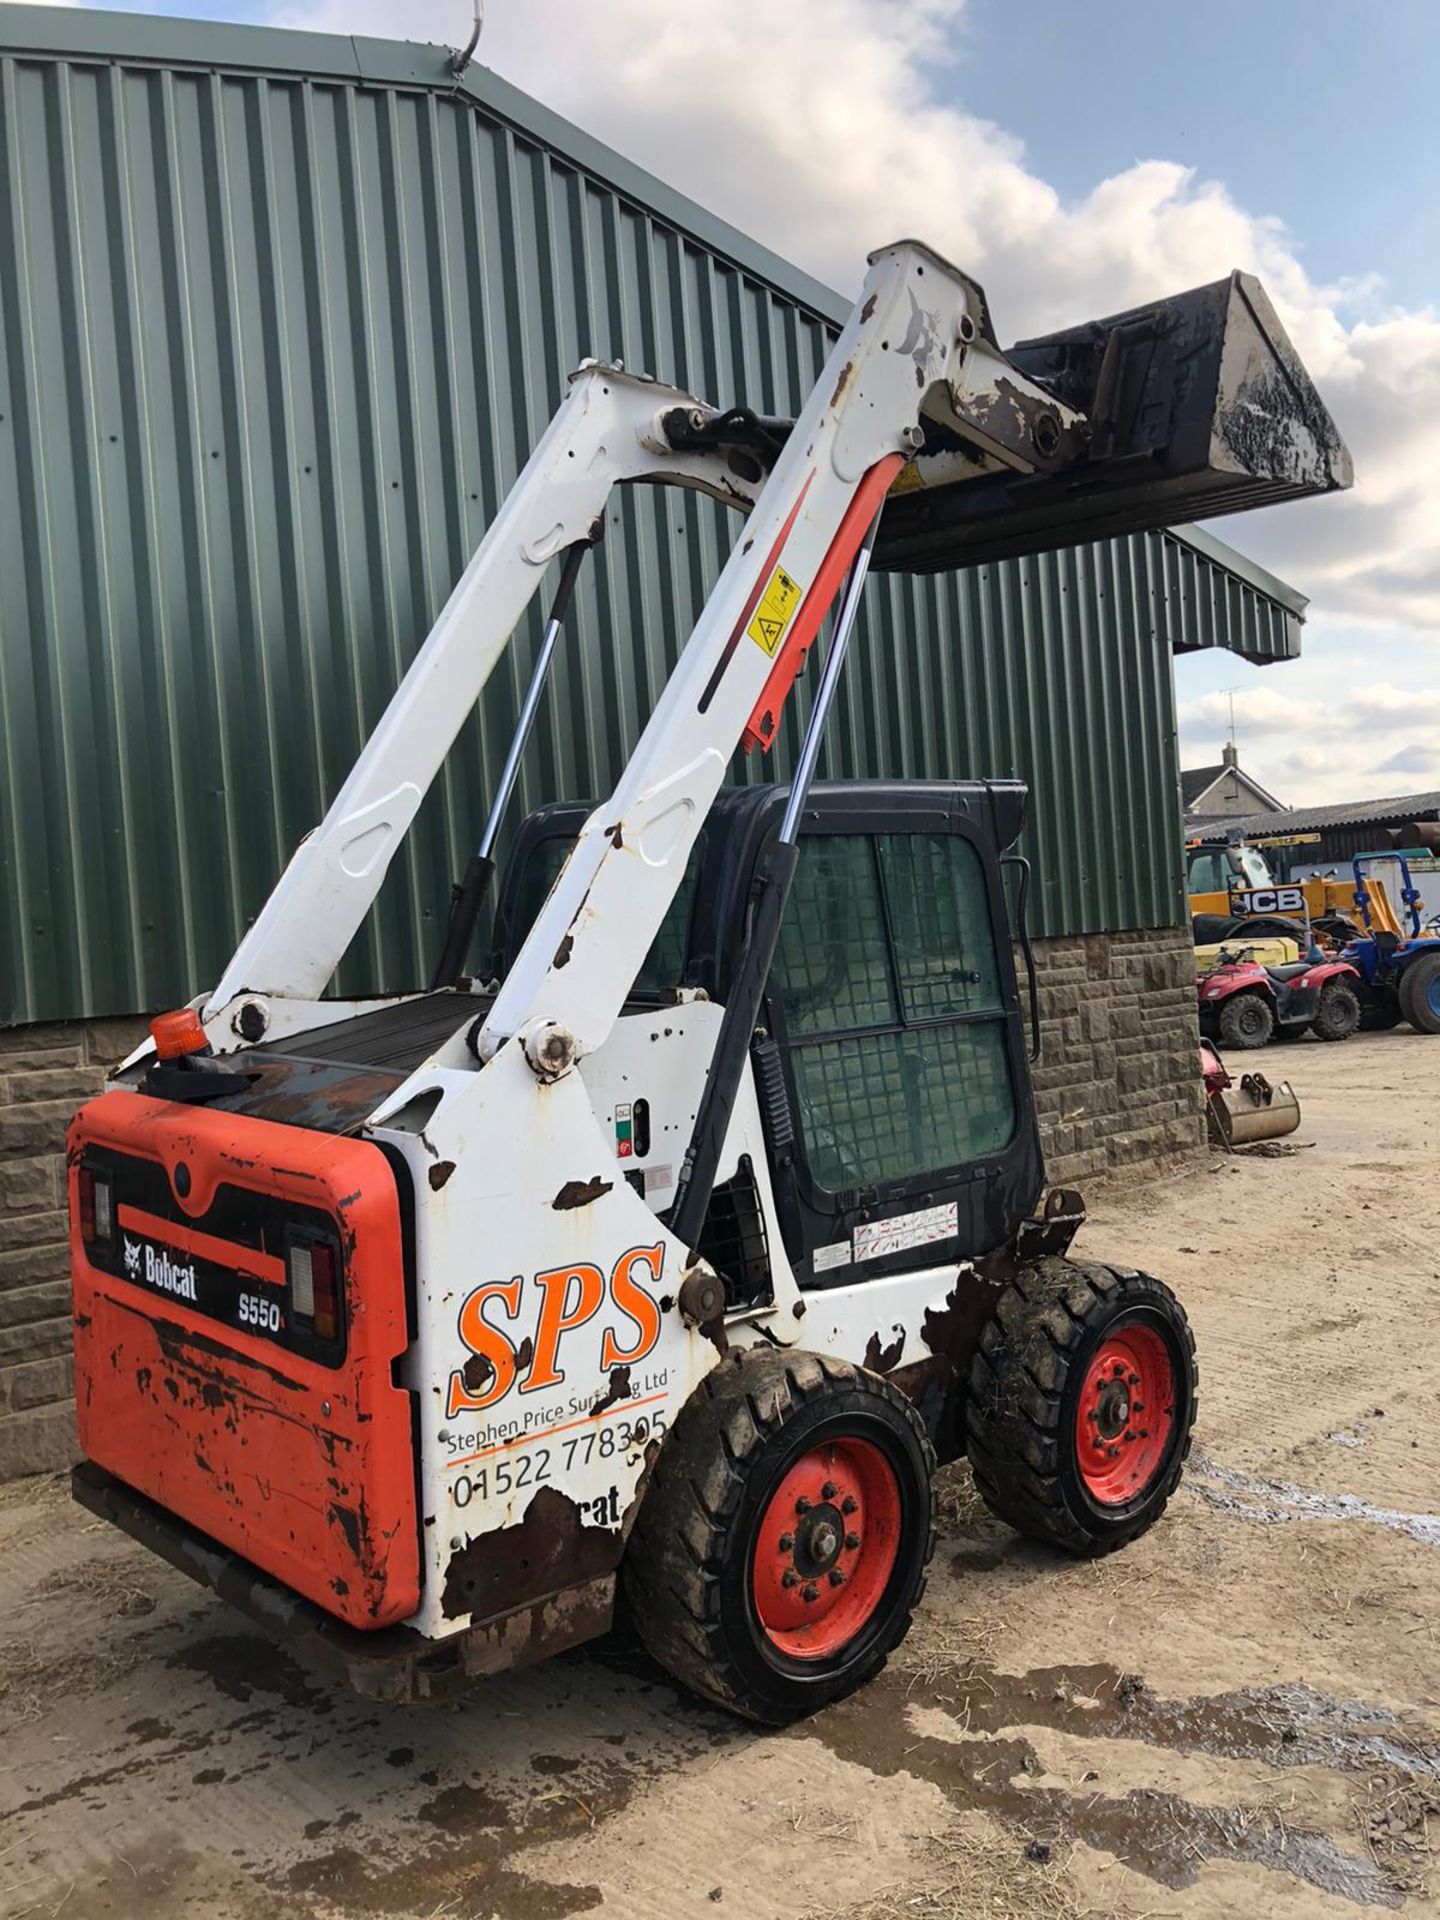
<point x="280" y="316"/>
<point x="1397" y="811"/>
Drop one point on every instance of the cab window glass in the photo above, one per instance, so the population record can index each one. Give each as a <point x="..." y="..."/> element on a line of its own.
<point x="889" y="980"/>
<point x="940" y="920"/>
<point x="833" y="967"/>
<point x="1208" y="873"/>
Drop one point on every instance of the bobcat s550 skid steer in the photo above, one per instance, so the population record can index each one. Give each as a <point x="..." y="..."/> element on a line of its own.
<point x="666" y="1259"/>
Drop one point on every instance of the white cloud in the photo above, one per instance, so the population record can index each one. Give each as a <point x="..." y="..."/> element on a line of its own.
<point x="1315" y="736"/>
<point x="820" y="127"/>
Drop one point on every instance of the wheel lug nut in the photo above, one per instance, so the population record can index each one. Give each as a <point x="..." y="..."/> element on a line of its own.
<point x="1129" y="1433"/>
<point x="789" y="1578"/>
<point x="852" y="1541"/>
<point x="829" y="1490"/>
<point x="810" y="1592"/>
<point x="1132" y="1379"/>
<point x="837" y="1578"/>
<point x="802" y="1505"/>
<point x="849" y="1503"/>
<point x="787" y="1541"/>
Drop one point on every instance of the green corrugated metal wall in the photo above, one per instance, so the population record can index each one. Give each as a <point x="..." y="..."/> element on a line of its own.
<point x="278" y="324"/>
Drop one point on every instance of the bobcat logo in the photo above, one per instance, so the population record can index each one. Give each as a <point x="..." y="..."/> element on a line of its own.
<point x="133" y="1251"/>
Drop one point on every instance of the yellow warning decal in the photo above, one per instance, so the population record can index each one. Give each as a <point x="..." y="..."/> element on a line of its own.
<point x="772" y="616"/>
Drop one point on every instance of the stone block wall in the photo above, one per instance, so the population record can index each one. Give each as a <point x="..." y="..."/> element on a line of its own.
<point x="1118" y="1093"/>
<point x="1118" y="1084"/>
<point x="45" y="1073"/>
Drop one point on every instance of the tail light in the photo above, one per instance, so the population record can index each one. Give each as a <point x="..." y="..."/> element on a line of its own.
<point x="96" y="1206"/>
<point x="314" y="1274"/>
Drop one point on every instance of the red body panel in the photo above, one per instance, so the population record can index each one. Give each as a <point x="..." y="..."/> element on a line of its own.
<point x="305" y="1469"/>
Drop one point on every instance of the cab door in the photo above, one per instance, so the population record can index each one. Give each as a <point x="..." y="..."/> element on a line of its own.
<point x="894" y="1007"/>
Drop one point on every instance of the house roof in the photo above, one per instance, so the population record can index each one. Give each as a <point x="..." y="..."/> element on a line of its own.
<point x="1392" y="812"/>
<point x="1196" y="782"/>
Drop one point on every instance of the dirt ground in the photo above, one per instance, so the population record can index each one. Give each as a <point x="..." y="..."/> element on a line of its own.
<point x="1239" y="1715"/>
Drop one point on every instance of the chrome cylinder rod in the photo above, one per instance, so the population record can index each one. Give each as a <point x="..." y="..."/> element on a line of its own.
<point x="825" y="693"/>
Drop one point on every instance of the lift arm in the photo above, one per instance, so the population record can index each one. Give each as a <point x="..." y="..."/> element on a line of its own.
<point x="1199" y="400"/>
<point x="914" y="346"/>
<point x="607" y="432"/>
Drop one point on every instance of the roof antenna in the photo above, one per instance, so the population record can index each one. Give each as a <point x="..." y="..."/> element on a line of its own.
<point x="463" y="58"/>
<point x="1229" y="755"/>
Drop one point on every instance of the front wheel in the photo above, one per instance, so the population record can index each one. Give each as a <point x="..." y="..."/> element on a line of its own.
<point x="1081" y="1400"/>
<point x="1245" y="1020"/>
<point x="781" y="1548"/>
<point x="1338" y="1015"/>
<point x="1420" y="993"/>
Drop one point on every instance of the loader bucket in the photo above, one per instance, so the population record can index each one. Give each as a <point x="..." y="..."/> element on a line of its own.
<point x="1195" y="406"/>
<point x="1251" y="1109"/>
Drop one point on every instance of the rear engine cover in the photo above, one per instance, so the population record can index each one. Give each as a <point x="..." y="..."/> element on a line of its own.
<point x="198" y="1381"/>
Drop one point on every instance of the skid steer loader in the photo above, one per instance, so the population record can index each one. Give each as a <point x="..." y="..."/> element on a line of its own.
<point x="665" y="1257"/>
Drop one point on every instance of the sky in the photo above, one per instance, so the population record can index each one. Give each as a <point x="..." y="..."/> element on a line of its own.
<point x="1079" y="156"/>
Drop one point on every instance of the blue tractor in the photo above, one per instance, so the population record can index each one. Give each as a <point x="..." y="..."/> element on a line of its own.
<point x="1398" y="960"/>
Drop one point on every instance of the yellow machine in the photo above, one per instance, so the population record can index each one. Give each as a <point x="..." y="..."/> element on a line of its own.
<point x="1236" y="882"/>
<point x="1278" y="952"/>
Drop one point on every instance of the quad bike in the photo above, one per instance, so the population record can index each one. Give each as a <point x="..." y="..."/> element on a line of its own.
<point x="1245" y="1005"/>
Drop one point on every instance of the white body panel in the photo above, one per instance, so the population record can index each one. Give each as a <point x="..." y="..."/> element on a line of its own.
<point x="549" y="1354"/>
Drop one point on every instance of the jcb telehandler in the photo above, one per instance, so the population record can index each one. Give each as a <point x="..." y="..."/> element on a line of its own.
<point x="665" y="1257"/>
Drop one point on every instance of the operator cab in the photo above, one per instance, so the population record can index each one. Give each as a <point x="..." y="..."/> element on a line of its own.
<point x="1218" y="869"/>
<point x="889" y="1061"/>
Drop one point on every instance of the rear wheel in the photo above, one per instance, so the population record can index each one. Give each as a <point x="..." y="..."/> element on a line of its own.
<point x="1379" y="1012"/>
<point x="1420" y="993"/>
<point x="781" y="1548"/>
<point x="1080" y="1404"/>
<point x="1338" y="1015"/>
<point x="1245" y="1020"/>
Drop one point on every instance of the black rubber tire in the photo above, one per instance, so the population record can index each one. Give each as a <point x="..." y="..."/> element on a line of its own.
<point x="1246" y="1021"/>
<point x="1338" y="1015"/>
<point x="1025" y="1381"/>
<point x="1415" y="984"/>
<point x="1378" y="1014"/>
<point x="687" y="1570"/>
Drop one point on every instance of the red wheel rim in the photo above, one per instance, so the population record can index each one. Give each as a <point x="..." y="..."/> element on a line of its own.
<point x="826" y="1548"/>
<point x="1126" y="1415"/>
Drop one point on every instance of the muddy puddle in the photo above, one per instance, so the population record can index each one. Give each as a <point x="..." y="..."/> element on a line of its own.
<point x="982" y="1760"/>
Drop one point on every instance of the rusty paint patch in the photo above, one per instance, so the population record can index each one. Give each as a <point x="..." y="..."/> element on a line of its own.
<point x="846" y="375"/>
<point x="477" y="1373"/>
<point x="563" y="951"/>
<point x="868" y="308"/>
<point x="440" y="1173"/>
<point x="349" y="1524"/>
<point x="880" y="1359"/>
<point x="618" y="1389"/>
<point x="578" y="1193"/>
<point x="554" y="1546"/>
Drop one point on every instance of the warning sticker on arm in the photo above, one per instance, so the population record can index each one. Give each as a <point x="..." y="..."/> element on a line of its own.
<point x="772" y="616"/>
